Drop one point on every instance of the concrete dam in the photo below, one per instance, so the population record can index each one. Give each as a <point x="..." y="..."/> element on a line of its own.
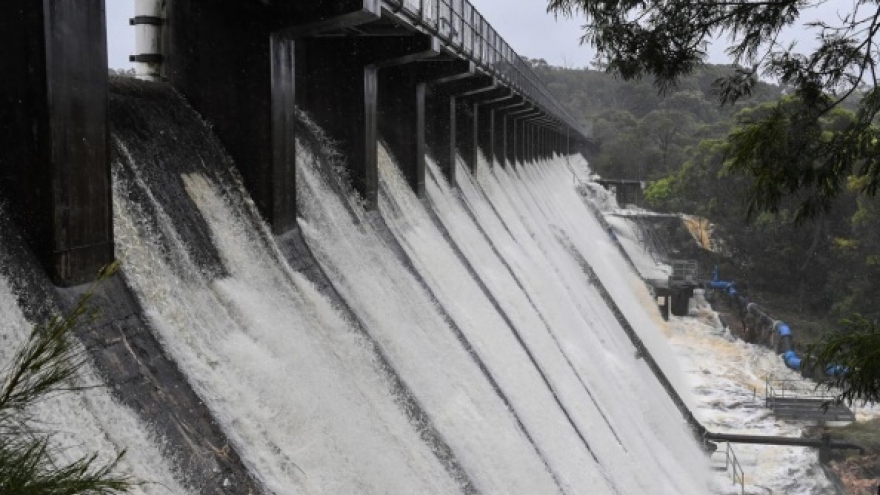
<point x="353" y="260"/>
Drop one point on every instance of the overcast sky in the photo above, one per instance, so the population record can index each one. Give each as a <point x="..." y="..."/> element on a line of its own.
<point x="525" y="25"/>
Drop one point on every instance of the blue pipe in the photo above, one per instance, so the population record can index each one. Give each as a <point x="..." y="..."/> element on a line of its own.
<point x="782" y="328"/>
<point x="792" y="360"/>
<point x="789" y="356"/>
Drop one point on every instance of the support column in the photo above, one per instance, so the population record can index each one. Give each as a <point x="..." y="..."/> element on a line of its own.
<point x="469" y="122"/>
<point x="543" y="144"/>
<point x="543" y="128"/>
<point x="534" y="125"/>
<point x="441" y="126"/>
<point x="528" y="147"/>
<point x="458" y="90"/>
<point x="484" y="118"/>
<point x="235" y="64"/>
<point x="280" y="205"/>
<point x="518" y="130"/>
<point x="508" y="137"/>
<point x="338" y="86"/>
<point x="54" y="165"/>
<point x="404" y="113"/>
<point x="491" y="125"/>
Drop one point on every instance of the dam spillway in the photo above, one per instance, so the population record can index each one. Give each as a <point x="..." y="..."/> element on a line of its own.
<point x="308" y="332"/>
<point x="443" y="345"/>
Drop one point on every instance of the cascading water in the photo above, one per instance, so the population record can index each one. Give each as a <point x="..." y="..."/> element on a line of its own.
<point x="419" y="341"/>
<point x="522" y="328"/>
<point x="470" y="352"/>
<point x="297" y="390"/>
<point x="727" y="376"/>
<point x="86" y="422"/>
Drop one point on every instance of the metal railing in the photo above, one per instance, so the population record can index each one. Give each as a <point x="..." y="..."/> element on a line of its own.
<point x="463" y="29"/>
<point x="794" y="389"/>
<point x="731" y="463"/>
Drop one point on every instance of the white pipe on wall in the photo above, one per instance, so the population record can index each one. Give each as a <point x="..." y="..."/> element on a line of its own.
<point x="149" y="17"/>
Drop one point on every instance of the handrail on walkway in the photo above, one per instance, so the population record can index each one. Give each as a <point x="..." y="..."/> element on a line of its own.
<point x="461" y="27"/>
<point x="792" y="389"/>
<point x="731" y="463"/>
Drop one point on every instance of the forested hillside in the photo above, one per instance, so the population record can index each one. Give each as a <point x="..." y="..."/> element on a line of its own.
<point x="813" y="273"/>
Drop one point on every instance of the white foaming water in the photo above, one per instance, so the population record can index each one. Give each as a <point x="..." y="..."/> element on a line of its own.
<point x="91" y="421"/>
<point x="513" y="213"/>
<point x="728" y="378"/>
<point x="556" y="206"/>
<point x="419" y="343"/>
<point x="496" y="342"/>
<point x="297" y="390"/>
<point x="647" y="266"/>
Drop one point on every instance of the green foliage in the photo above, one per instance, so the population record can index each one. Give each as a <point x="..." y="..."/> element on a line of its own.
<point x="855" y="351"/>
<point x="660" y="193"/>
<point x="643" y="135"/>
<point x="791" y="151"/>
<point x="44" y="366"/>
<point x="805" y="168"/>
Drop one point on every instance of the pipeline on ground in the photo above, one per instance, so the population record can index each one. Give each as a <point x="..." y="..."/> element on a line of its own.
<point x="789" y="356"/>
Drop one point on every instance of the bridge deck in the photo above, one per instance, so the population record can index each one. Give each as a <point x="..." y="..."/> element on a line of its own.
<point x="464" y="30"/>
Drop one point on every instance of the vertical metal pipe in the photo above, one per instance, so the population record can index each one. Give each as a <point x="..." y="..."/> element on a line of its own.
<point x="148" y="19"/>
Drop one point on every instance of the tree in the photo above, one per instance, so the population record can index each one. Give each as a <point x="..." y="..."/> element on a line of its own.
<point x="667" y="130"/>
<point x="851" y="357"/>
<point x="667" y="39"/>
<point x="44" y="366"/>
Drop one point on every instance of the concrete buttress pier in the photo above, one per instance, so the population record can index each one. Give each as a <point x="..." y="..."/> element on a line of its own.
<point x="362" y="70"/>
<point x="54" y="168"/>
<point x="440" y="124"/>
<point x="469" y="120"/>
<point x="339" y="86"/>
<point x="222" y="56"/>
<point x="489" y="132"/>
<point x="421" y="78"/>
<point x="406" y="117"/>
<point x="455" y="129"/>
<point x="355" y="68"/>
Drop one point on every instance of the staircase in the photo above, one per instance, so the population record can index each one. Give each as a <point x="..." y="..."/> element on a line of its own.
<point x="798" y="399"/>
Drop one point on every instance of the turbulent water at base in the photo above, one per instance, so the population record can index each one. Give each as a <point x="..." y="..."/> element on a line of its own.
<point x="87" y="422"/>
<point x="471" y="350"/>
<point x="728" y="378"/>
